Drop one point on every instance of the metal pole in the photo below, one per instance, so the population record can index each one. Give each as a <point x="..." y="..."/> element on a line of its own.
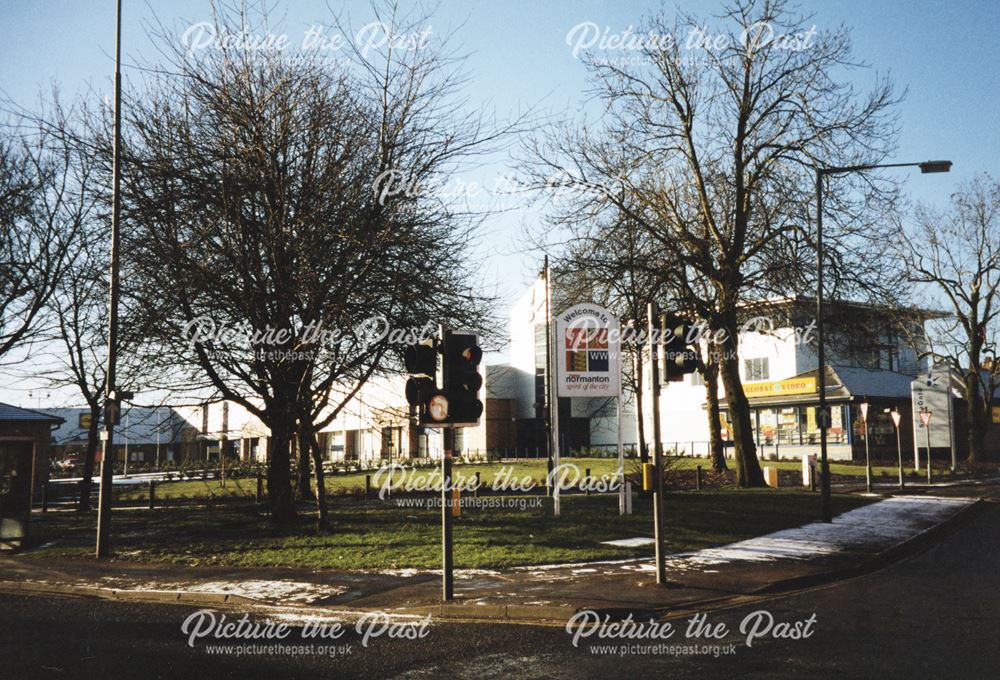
<point x="447" y="565"/>
<point x="125" y="469"/>
<point x="868" y="461"/>
<point x="927" y="431"/>
<point x="825" y="512"/>
<point x="552" y="397"/>
<point x="899" y="454"/>
<point x="107" y="459"/>
<point x="621" y="456"/>
<point x="159" y="425"/>
<point x="658" y="521"/>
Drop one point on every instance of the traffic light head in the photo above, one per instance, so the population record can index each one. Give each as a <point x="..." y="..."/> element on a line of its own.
<point x="461" y="378"/>
<point x="421" y="360"/>
<point x="677" y="339"/>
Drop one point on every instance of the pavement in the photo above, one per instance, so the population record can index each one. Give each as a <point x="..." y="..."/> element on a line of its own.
<point x="855" y="542"/>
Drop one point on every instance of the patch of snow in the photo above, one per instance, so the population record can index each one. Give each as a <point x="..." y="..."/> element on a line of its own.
<point x="295" y="592"/>
<point x="630" y="542"/>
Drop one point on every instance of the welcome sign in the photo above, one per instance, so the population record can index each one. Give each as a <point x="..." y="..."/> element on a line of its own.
<point x="588" y="356"/>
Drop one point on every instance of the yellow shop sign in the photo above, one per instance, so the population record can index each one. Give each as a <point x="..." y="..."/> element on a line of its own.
<point x="779" y="388"/>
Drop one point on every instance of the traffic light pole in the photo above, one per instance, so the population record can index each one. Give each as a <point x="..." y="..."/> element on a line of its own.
<point x="658" y="512"/>
<point x="447" y="564"/>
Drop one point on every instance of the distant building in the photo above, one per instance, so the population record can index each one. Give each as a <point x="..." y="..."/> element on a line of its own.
<point x="867" y="361"/>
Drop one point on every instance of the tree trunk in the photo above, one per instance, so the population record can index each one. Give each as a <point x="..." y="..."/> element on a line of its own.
<point x="641" y="427"/>
<point x="322" y="518"/>
<point x="89" y="458"/>
<point x="716" y="451"/>
<point x="279" y="476"/>
<point x="748" y="472"/>
<point x="305" y="445"/>
<point x="977" y="412"/>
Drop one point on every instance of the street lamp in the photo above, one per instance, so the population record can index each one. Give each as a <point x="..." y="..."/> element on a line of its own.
<point x="822" y="413"/>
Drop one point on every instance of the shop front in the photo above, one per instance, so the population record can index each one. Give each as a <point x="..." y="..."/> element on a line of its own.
<point x="783" y="414"/>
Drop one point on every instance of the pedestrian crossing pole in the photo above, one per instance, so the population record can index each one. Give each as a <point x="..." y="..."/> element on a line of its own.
<point x="447" y="563"/>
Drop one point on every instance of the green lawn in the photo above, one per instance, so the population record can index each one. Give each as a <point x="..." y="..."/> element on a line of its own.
<point x="354" y="482"/>
<point x="378" y="534"/>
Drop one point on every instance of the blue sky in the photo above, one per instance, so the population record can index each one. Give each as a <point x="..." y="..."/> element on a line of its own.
<point x="945" y="53"/>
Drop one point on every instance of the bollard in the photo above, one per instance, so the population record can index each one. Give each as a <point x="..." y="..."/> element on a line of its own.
<point x="45" y="496"/>
<point x="368" y="486"/>
<point x="812" y="477"/>
<point x="697" y="479"/>
<point x="152" y="493"/>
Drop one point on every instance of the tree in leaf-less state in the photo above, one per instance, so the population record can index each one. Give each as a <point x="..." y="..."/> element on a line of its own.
<point x="711" y="149"/>
<point x="39" y="218"/>
<point x="282" y="219"/>
<point x="954" y="256"/>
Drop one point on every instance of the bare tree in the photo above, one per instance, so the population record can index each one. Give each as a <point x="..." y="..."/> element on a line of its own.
<point x="716" y="147"/>
<point x="955" y="256"/>
<point x="284" y="223"/>
<point x="39" y="218"/>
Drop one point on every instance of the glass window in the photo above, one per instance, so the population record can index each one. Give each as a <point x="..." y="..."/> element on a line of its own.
<point x="788" y="425"/>
<point x="756" y="369"/>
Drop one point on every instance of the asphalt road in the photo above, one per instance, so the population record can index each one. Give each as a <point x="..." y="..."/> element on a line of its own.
<point x="934" y="615"/>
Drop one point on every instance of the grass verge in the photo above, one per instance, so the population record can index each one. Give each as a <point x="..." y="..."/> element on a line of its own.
<point x="382" y="535"/>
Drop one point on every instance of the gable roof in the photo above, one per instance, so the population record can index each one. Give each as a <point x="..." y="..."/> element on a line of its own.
<point x="9" y="412"/>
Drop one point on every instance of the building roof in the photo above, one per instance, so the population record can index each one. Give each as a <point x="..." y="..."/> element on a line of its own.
<point x="143" y="425"/>
<point x="9" y="412"/>
<point x="860" y="382"/>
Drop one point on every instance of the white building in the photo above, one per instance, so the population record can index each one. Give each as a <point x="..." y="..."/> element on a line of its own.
<point x="866" y="361"/>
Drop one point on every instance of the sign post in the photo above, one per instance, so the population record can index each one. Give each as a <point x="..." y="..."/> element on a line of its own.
<point x="868" y="460"/>
<point x="925" y="418"/>
<point x="899" y="446"/>
<point x="658" y="514"/>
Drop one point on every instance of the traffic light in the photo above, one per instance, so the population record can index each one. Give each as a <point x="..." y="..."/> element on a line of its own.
<point x="677" y="358"/>
<point x="422" y="392"/>
<point x="461" y="379"/>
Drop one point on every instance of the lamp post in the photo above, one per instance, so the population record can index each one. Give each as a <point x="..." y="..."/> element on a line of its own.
<point x="822" y="415"/>
<point x="112" y="402"/>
